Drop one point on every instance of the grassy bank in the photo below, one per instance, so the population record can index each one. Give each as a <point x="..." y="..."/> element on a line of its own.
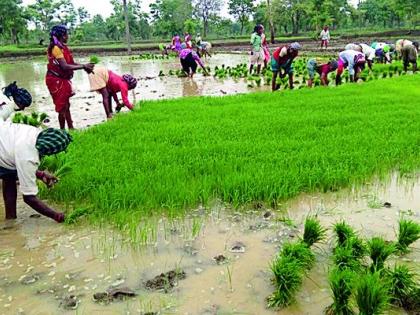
<point x="175" y="154"/>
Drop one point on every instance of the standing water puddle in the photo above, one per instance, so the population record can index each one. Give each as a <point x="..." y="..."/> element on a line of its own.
<point x="46" y="268"/>
<point x="87" y="106"/>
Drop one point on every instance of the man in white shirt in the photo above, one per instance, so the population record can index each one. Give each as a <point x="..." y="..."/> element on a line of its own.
<point x="21" y="147"/>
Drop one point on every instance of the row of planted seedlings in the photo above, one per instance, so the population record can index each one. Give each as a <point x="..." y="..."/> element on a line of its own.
<point x="301" y="75"/>
<point x="361" y="278"/>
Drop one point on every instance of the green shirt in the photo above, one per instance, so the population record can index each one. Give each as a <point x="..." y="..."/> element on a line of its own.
<point x="256" y="42"/>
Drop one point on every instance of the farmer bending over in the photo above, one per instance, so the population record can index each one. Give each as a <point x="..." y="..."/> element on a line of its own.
<point x="189" y="59"/>
<point x="21" y="97"/>
<point x="282" y="59"/>
<point x="409" y="55"/>
<point x="108" y="84"/>
<point x="368" y="51"/>
<point x="323" y="70"/>
<point x="21" y="148"/>
<point x="354" y="61"/>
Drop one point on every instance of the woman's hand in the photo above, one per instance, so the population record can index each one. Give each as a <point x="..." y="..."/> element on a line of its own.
<point x="48" y="179"/>
<point x="88" y="67"/>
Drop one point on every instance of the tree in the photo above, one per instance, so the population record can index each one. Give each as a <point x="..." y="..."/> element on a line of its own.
<point x="44" y="13"/>
<point x="206" y="9"/>
<point x="241" y="10"/>
<point x="12" y="19"/>
<point x="127" y="27"/>
<point x="168" y="16"/>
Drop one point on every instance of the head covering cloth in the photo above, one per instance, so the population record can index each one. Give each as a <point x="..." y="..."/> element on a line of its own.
<point x="20" y="96"/>
<point x="52" y="141"/>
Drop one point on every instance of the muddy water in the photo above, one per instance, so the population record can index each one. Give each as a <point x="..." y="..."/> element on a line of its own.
<point x="87" y="106"/>
<point x="42" y="263"/>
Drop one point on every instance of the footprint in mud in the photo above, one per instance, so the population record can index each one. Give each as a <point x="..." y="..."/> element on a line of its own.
<point x="118" y="293"/>
<point x="238" y="247"/>
<point x="165" y="281"/>
<point x="70" y="302"/>
<point x="220" y="259"/>
<point x="29" y="279"/>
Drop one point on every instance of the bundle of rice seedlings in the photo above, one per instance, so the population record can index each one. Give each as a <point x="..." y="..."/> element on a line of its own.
<point x="408" y="233"/>
<point x="358" y="247"/>
<point x="372" y="294"/>
<point x="313" y="231"/>
<point x="341" y="285"/>
<point x="344" y="259"/>
<point x="402" y="286"/>
<point x="299" y="252"/>
<point x="344" y="232"/>
<point x="288" y="277"/>
<point x="379" y="251"/>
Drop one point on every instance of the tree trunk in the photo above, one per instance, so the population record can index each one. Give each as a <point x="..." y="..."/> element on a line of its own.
<point x="205" y="27"/>
<point x="242" y="27"/>
<point x="127" y="27"/>
<point x="270" y="22"/>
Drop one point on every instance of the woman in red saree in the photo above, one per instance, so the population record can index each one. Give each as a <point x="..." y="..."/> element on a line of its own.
<point x="60" y="72"/>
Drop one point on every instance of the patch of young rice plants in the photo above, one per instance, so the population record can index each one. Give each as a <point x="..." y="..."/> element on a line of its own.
<point x="344" y="259"/>
<point x="344" y="232"/>
<point x="408" y="233"/>
<point x="300" y="252"/>
<point x="372" y="294"/>
<point x="288" y="278"/>
<point x="403" y="286"/>
<point x="313" y="231"/>
<point x="341" y="285"/>
<point x="379" y="251"/>
<point x="172" y="155"/>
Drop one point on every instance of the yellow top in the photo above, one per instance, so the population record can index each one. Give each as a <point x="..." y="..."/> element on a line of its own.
<point x="57" y="52"/>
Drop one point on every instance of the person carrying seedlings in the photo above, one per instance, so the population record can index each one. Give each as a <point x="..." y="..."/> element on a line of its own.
<point x="354" y="61"/>
<point x="21" y="97"/>
<point x="282" y="60"/>
<point x="61" y="67"/>
<point x="21" y="148"/>
<point x="325" y="37"/>
<point x="314" y="66"/>
<point x="189" y="59"/>
<point x="409" y="55"/>
<point x="108" y="84"/>
<point x="257" y="53"/>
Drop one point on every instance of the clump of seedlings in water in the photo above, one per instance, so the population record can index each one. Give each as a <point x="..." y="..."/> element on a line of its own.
<point x="408" y="233"/>
<point x="313" y="232"/>
<point x="379" y="251"/>
<point x="341" y="285"/>
<point x="343" y="232"/>
<point x="403" y="288"/>
<point x="372" y="294"/>
<point x="292" y="263"/>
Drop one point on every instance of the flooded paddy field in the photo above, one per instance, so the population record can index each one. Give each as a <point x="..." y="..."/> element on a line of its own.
<point x="87" y="106"/>
<point x="219" y="257"/>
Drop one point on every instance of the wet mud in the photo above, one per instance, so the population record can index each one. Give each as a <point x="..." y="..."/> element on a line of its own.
<point x="47" y="268"/>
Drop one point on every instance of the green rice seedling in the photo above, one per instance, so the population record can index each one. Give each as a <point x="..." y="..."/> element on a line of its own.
<point x="288" y="278"/>
<point x="379" y="251"/>
<point x="300" y="252"/>
<point x="161" y="74"/>
<point x="313" y="231"/>
<point x="343" y="232"/>
<point x="76" y="214"/>
<point x="402" y="286"/>
<point x="358" y="247"/>
<point x="372" y="294"/>
<point x="344" y="258"/>
<point x="94" y="59"/>
<point x="341" y="285"/>
<point x="258" y="81"/>
<point x="408" y="233"/>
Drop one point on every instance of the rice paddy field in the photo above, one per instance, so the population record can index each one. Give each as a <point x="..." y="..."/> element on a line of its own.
<point x="301" y="201"/>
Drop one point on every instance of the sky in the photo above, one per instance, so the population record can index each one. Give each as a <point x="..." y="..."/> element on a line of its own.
<point x="104" y="7"/>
